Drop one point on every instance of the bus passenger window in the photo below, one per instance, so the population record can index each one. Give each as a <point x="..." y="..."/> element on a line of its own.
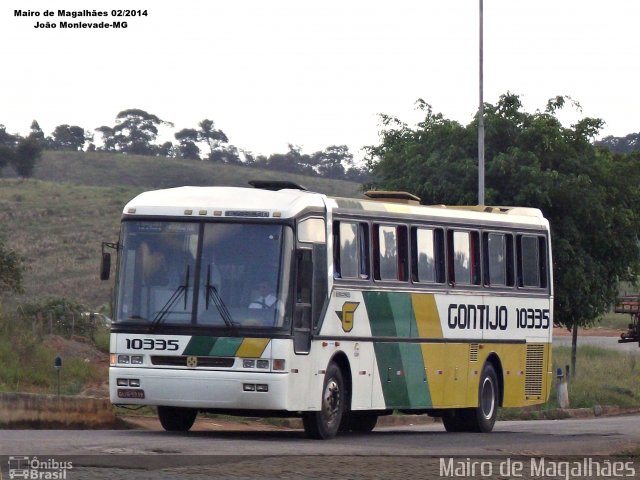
<point x="498" y="259"/>
<point x="351" y="250"/>
<point x="348" y="250"/>
<point x="391" y="254"/>
<point x="464" y="258"/>
<point x="529" y="261"/>
<point x="427" y="248"/>
<point x="388" y="251"/>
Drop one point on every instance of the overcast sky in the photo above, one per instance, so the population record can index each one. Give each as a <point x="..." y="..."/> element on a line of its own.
<point x="316" y="73"/>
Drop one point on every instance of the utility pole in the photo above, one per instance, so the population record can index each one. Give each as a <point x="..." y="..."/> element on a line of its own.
<point x="481" y="119"/>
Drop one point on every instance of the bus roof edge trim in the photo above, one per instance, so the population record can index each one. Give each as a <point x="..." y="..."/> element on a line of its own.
<point x="524" y="211"/>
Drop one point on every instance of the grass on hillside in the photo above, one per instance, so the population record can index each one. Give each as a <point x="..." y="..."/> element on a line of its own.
<point x="58" y="220"/>
<point x="28" y="364"/>
<point x="112" y="169"/>
<point x="58" y="229"/>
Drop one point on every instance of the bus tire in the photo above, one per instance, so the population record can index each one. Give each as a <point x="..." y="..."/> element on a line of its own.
<point x="455" y="420"/>
<point x="176" y="419"/>
<point x="488" y="401"/>
<point x="362" y="422"/>
<point x="325" y="424"/>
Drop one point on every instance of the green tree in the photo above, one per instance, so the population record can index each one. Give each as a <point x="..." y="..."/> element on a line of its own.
<point x="134" y="132"/>
<point x="21" y="153"/>
<point x="11" y="269"/>
<point x="589" y="195"/>
<point x="68" y="137"/>
<point x="36" y="132"/>
<point x="627" y="144"/>
<point x="26" y="155"/>
<point x="212" y="136"/>
<point x="8" y="145"/>
<point x="294" y="161"/>
<point x="333" y="161"/>
<point x="188" y="143"/>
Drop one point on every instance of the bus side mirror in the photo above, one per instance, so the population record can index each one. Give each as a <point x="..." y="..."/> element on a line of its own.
<point x="105" y="266"/>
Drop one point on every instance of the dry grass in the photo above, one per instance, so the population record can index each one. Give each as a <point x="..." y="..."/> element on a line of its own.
<point x="604" y="377"/>
<point x="58" y="229"/>
<point x="58" y="220"/>
<point x="107" y="169"/>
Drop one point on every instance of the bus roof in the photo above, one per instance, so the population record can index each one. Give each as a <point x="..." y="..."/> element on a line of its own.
<point x="223" y="201"/>
<point x="288" y="203"/>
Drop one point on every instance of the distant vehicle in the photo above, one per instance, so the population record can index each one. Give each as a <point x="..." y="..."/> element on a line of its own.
<point x="380" y="305"/>
<point x="630" y="304"/>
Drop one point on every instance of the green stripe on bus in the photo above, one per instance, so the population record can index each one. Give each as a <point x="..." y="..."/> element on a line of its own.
<point x="213" y="346"/>
<point x="226" y="347"/>
<point x="400" y="365"/>
<point x="199" y="346"/>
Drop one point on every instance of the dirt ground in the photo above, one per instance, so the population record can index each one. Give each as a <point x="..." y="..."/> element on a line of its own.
<point x="84" y="349"/>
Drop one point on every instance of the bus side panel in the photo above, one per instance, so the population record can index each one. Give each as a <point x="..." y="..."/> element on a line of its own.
<point x="347" y="317"/>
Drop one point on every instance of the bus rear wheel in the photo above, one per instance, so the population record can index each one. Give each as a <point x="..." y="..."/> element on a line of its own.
<point x="362" y="422"/>
<point x="324" y="424"/>
<point x="483" y="417"/>
<point x="488" y="399"/>
<point x="177" y="419"/>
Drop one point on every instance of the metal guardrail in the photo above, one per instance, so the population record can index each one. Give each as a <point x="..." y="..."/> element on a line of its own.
<point x="70" y="324"/>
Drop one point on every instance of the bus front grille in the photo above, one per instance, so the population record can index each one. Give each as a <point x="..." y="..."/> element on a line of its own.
<point x="181" y="361"/>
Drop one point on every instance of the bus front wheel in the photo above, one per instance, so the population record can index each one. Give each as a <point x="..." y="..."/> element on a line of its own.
<point x="176" y="419"/>
<point x="325" y="423"/>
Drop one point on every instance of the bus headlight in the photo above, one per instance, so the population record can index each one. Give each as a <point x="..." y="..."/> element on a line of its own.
<point x="248" y="363"/>
<point x="136" y="359"/>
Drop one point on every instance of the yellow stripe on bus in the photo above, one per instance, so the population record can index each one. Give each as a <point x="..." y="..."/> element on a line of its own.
<point x="427" y="318"/>
<point x="252" y="347"/>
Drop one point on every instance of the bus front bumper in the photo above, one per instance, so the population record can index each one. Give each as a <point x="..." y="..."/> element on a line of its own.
<point x="198" y="388"/>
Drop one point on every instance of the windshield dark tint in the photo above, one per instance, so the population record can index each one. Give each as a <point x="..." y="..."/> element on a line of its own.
<point x="214" y="274"/>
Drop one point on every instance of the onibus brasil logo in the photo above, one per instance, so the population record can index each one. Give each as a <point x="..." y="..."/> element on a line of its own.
<point x="37" y="469"/>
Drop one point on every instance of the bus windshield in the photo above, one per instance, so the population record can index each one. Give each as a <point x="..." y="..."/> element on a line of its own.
<point x="225" y="275"/>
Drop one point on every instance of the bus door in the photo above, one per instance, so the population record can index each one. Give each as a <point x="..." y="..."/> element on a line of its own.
<point x="311" y="282"/>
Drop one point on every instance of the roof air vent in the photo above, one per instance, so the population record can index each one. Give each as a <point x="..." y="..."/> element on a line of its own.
<point x="395" y="197"/>
<point x="276" y="185"/>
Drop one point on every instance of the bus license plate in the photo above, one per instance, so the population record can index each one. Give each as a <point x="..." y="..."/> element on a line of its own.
<point x="130" y="393"/>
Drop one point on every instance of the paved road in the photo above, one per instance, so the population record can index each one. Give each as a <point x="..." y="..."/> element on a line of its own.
<point x="390" y="451"/>
<point x="598" y="341"/>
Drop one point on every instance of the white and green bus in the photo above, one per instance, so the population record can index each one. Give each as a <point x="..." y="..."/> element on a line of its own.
<point x="277" y="301"/>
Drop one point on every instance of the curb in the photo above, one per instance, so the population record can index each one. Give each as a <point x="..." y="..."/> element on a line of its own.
<point x="35" y="411"/>
<point x="383" y="421"/>
<point x="28" y="410"/>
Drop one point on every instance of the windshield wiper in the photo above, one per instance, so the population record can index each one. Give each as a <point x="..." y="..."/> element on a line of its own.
<point x="175" y="296"/>
<point x="212" y="294"/>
